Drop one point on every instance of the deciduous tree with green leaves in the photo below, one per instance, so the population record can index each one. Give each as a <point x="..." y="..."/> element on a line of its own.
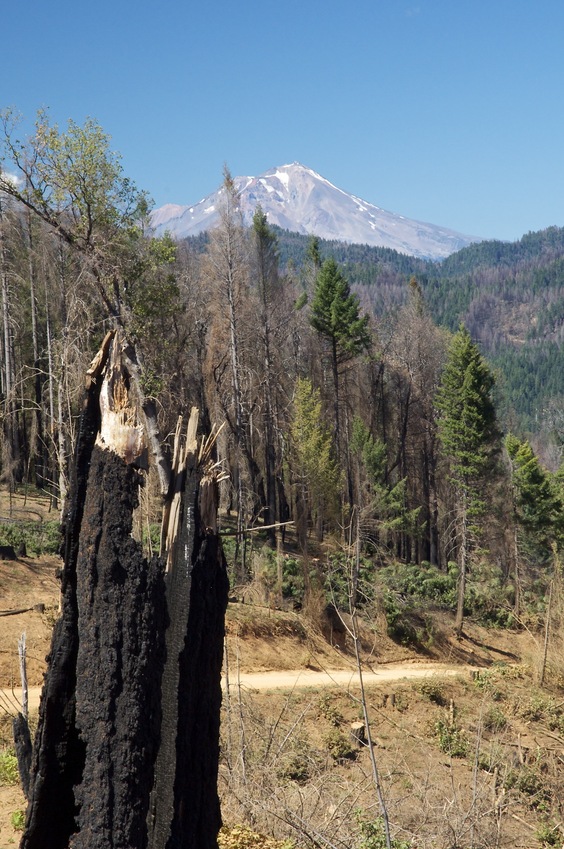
<point x="74" y="183"/>
<point x="469" y="439"/>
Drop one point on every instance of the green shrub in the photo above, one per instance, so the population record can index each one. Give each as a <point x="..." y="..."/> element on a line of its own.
<point x="425" y="582"/>
<point x="329" y="711"/>
<point x="339" y="746"/>
<point x="38" y="537"/>
<point x="151" y="537"/>
<point x="9" y="774"/>
<point x="297" y="764"/>
<point x="494" y="720"/>
<point x="527" y="781"/>
<point x="550" y="834"/>
<point x="337" y="581"/>
<point x="487" y="597"/>
<point x="451" y="739"/>
<point x="293" y="582"/>
<point x="432" y="690"/>
<point x="399" y="627"/>
<point x="539" y="707"/>
<point x="373" y="835"/>
<point x="17" y="820"/>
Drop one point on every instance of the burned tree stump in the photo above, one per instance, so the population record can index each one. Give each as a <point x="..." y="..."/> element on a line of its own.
<point x="126" y="752"/>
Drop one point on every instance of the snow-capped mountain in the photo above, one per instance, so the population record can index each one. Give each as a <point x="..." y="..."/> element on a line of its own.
<point x="296" y="198"/>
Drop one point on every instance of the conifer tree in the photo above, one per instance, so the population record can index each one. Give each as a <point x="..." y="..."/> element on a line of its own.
<point x="315" y="471"/>
<point x="537" y="508"/>
<point x="469" y="439"/>
<point x="313" y="253"/>
<point x="381" y="505"/>
<point x="335" y="315"/>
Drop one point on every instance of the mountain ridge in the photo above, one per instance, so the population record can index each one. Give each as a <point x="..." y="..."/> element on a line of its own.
<point x="298" y="199"/>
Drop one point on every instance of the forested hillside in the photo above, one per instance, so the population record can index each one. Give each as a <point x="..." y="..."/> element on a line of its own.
<point x="509" y="295"/>
<point x="351" y="408"/>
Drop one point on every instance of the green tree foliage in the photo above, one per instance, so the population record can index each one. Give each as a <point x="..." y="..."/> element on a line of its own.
<point x="537" y="513"/>
<point x="74" y="182"/>
<point x="537" y="504"/>
<point x="315" y="472"/>
<point x="313" y="252"/>
<point x="381" y="504"/>
<point x="468" y="436"/>
<point x="335" y="315"/>
<point x="467" y="420"/>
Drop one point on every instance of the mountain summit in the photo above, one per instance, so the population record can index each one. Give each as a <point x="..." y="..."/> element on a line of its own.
<point x="298" y="199"/>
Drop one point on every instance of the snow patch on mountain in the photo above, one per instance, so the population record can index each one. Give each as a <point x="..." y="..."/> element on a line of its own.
<point x="299" y="199"/>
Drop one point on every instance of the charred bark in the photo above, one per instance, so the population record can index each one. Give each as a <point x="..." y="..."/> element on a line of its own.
<point x="131" y="699"/>
<point x="23" y="746"/>
<point x="58" y="752"/>
<point x="122" y="611"/>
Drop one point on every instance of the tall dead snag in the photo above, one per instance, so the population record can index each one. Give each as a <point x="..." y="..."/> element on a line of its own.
<point x="132" y="691"/>
<point x="184" y="804"/>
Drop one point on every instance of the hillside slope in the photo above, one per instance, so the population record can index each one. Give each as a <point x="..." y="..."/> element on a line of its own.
<point x="296" y="743"/>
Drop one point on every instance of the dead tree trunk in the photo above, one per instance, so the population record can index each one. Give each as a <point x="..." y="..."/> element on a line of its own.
<point x="133" y="645"/>
<point x="184" y="804"/>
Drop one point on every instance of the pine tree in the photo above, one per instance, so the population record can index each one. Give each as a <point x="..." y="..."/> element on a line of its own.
<point x="381" y="505"/>
<point x="537" y="508"/>
<point x="315" y="471"/>
<point x="469" y="438"/>
<point x="335" y="315"/>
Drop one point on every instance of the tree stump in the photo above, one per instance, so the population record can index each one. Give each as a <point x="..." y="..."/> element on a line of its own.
<point x="131" y="699"/>
<point x="358" y="733"/>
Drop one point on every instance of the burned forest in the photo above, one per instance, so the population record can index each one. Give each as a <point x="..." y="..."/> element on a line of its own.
<point x="292" y="436"/>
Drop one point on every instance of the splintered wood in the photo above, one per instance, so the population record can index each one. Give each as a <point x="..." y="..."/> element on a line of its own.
<point x="122" y="427"/>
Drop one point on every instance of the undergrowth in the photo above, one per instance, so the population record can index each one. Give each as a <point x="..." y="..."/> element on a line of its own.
<point x="37" y="537"/>
<point x="9" y="775"/>
<point x="242" y="837"/>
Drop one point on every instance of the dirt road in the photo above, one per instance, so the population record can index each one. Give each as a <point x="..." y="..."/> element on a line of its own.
<point x="298" y="679"/>
<point x="304" y="678"/>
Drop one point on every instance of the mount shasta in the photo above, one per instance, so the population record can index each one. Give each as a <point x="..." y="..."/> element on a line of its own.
<point x="298" y="199"/>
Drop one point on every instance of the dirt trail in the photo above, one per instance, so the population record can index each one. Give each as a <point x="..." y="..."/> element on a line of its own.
<point x="300" y="679"/>
<point x="290" y="679"/>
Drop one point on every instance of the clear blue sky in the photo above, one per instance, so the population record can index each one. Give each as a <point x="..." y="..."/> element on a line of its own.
<point x="447" y="111"/>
